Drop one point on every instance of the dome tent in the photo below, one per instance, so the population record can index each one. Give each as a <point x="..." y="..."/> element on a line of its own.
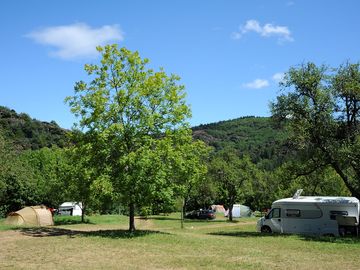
<point x="240" y="210"/>
<point x="32" y="216"/>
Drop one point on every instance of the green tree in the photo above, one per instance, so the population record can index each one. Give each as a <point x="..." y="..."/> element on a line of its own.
<point x="50" y="168"/>
<point x="85" y="183"/>
<point x="321" y="111"/>
<point x="190" y="170"/>
<point x="17" y="181"/>
<point x="133" y="118"/>
<point x="232" y="176"/>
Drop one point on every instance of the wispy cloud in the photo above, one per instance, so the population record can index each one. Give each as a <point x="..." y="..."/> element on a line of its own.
<point x="290" y="3"/>
<point x="257" y="84"/>
<point x="268" y="30"/>
<point x="278" y="77"/>
<point x="76" y="40"/>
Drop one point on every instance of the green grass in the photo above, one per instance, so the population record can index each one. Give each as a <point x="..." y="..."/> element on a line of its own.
<point x="160" y="243"/>
<point x="4" y="227"/>
<point x="97" y="219"/>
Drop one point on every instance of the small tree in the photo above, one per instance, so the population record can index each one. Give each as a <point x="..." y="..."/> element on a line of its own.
<point x="50" y="167"/>
<point x="134" y="119"/>
<point x="231" y="174"/>
<point x="190" y="170"/>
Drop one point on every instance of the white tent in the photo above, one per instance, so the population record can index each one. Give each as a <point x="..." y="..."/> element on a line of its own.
<point x="240" y="210"/>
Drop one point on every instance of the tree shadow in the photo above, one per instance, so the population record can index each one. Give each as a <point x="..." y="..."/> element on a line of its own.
<point x="189" y="220"/>
<point x="159" y="218"/>
<point x="71" y="221"/>
<point x="331" y="239"/>
<point x="245" y="234"/>
<point x="114" y="234"/>
<point x="328" y="239"/>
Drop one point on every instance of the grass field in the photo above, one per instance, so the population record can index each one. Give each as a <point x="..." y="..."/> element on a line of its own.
<point x="104" y="243"/>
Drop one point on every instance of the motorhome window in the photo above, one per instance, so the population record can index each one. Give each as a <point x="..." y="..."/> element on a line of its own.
<point x="292" y="212"/>
<point x="311" y="213"/>
<point x="333" y="214"/>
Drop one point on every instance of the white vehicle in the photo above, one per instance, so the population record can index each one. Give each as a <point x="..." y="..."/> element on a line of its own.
<point x="70" y="209"/>
<point x="312" y="215"/>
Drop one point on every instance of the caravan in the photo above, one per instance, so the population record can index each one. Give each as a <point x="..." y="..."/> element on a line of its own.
<point x="312" y="215"/>
<point x="70" y="209"/>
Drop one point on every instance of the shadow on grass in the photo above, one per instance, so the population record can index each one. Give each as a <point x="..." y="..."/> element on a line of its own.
<point x="327" y="239"/>
<point x="245" y="234"/>
<point x="187" y="220"/>
<point x="114" y="234"/>
<point x="331" y="239"/>
<point x="70" y="221"/>
<point x="159" y="218"/>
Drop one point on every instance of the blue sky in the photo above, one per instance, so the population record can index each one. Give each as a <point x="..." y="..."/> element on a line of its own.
<point x="229" y="54"/>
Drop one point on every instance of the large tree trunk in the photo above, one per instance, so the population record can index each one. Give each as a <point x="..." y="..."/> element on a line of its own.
<point x="336" y="166"/>
<point x="354" y="192"/>
<point x="131" y="217"/>
<point x="230" y="212"/>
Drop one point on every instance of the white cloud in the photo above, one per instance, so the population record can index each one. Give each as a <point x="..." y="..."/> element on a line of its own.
<point x="278" y="77"/>
<point x="268" y="30"/>
<point x="76" y="40"/>
<point x="257" y="84"/>
<point x="290" y="3"/>
<point x="252" y="25"/>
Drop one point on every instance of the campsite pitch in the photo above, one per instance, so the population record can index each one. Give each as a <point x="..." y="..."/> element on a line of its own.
<point x="104" y="243"/>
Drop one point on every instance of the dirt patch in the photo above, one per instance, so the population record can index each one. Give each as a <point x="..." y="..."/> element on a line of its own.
<point x="9" y="236"/>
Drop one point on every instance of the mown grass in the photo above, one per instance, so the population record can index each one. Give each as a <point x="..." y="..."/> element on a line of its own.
<point x="160" y="243"/>
<point x="4" y="227"/>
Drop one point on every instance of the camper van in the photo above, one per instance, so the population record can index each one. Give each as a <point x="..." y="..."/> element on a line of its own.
<point x="332" y="216"/>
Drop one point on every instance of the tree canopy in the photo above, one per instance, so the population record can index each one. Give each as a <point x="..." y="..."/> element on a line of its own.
<point x="232" y="175"/>
<point x="134" y="120"/>
<point x="320" y="108"/>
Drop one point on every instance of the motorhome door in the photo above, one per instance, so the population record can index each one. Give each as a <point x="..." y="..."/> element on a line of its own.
<point x="275" y="220"/>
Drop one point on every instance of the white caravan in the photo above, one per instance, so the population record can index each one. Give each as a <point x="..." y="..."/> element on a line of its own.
<point x="70" y="209"/>
<point x="312" y="215"/>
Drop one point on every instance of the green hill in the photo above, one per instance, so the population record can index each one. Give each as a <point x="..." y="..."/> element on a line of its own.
<point x="250" y="135"/>
<point x="27" y="133"/>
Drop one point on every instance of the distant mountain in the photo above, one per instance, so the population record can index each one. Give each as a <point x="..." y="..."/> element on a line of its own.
<point x="250" y="135"/>
<point x="27" y="133"/>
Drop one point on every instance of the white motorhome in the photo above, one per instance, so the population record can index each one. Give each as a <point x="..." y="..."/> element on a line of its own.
<point x="312" y="215"/>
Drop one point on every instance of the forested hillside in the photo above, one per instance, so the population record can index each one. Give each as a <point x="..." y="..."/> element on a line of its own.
<point x="250" y="135"/>
<point x="254" y="136"/>
<point x="33" y="141"/>
<point x="27" y="133"/>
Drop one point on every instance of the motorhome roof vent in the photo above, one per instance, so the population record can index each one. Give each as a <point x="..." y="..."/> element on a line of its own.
<point x="297" y="194"/>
